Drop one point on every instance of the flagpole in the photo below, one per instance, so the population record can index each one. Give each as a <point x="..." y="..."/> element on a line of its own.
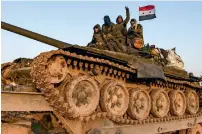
<point x="138" y="22"/>
<point x="138" y="15"/>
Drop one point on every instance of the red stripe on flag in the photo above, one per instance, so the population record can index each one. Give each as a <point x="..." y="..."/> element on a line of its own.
<point x="146" y="8"/>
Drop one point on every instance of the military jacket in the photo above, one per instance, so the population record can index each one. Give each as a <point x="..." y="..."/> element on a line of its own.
<point x="108" y="30"/>
<point x="135" y="31"/>
<point x="120" y="29"/>
<point x="97" y="38"/>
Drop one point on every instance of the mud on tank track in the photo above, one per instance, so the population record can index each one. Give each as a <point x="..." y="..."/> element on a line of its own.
<point x="81" y="87"/>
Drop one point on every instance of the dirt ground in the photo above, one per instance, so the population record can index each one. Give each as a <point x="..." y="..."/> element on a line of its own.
<point x="14" y="129"/>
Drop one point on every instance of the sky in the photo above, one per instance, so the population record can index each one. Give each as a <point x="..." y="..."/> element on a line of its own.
<point x="178" y="24"/>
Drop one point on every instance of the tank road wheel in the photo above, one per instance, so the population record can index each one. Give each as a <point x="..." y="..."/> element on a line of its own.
<point x="177" y="102"/>
<point x="192" y="101"/>
<point x="114" y="98"/>
<point x="160" y="103"/>
<point x="197" y="129"/>
<point x="139" y="104"/>
<point x="82" y="96"/>
<point x="57" y="68"/>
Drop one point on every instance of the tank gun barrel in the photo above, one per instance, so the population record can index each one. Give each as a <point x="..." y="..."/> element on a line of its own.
<point x="34" y="36"/>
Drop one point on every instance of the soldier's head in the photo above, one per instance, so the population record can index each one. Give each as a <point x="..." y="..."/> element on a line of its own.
<point x="133" y="22"/>
<point x="96" y="28"/>
<point x="107" y="20"/>
<point x="119" y="19"/>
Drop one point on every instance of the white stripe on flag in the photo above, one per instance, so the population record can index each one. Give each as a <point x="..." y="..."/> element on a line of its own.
<point x="148" y="12"/>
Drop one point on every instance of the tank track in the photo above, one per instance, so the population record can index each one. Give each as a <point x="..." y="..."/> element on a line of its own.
<point x="54" y="92"/>
<point x="6" y="64"/>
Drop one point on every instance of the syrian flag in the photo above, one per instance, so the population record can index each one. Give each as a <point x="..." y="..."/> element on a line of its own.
<point x="147" y="12"/>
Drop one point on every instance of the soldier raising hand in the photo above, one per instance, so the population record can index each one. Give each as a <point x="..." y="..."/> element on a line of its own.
<point x="120" y="31"/>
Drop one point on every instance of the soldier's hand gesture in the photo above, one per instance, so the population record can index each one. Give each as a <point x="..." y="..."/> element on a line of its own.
<point x="127" y="9"/>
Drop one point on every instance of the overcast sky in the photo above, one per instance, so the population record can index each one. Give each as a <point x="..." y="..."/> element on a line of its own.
<point x="178" y="24"/>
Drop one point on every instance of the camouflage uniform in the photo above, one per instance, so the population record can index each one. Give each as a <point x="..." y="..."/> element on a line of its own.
<point x="107" y="31"/>
<point x="98" y="40"/>
<point x="120" y="31"/>
<point x="109" y="39"/>
<point x="135" y="31"/>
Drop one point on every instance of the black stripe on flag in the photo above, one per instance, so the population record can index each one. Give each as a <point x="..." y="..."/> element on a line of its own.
<point x="147" y="17"/>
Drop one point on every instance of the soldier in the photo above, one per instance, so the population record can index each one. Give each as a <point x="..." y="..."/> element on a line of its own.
<point x="107" y="29"/>
<point x="135" y="31"/>
<point x="120" y="31"/>
<point x="98" y="40"/>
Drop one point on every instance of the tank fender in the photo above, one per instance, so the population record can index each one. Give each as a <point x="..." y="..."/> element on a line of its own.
<point x="148" y="70"/>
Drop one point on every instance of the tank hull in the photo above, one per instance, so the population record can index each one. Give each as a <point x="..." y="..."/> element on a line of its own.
<point x="86" y="84"/>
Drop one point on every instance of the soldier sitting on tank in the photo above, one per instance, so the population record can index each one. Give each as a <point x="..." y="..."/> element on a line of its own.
<point x="107" y="29"/>
<point x="120" y="31"/>
<point x="98" y="40"/>
<point x="135" y="32"/>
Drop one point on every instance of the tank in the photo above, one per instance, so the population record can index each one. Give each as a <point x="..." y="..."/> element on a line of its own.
<point x="86" y="84"/>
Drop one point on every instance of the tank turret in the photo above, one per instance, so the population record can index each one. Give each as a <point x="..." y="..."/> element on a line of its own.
<point x="143" y="65"/>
